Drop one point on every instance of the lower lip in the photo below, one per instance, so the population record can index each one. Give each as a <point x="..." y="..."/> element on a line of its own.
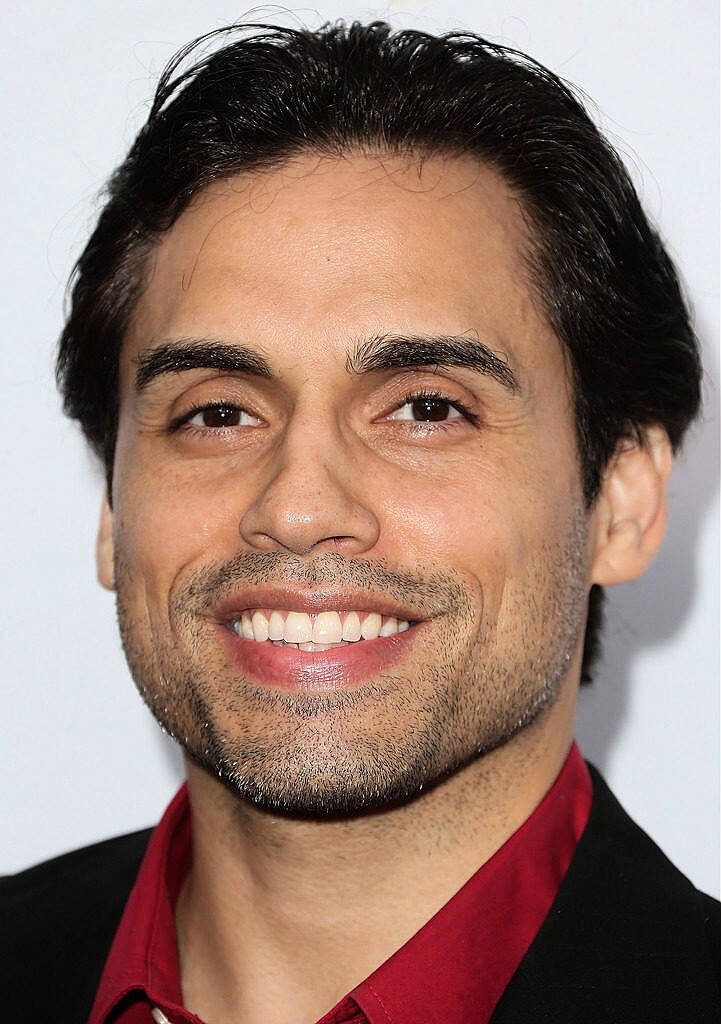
<point x="287" y="668"/>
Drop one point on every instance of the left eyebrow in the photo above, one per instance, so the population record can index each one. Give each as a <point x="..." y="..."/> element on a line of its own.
<point x="394" y="351"/>
<point x="188" y="354"/>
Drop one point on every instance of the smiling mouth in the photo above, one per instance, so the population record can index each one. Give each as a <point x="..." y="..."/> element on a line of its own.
<point x="315" y="632"/>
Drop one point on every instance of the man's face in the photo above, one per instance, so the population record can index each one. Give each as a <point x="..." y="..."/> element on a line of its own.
<point x="338" y="397"/>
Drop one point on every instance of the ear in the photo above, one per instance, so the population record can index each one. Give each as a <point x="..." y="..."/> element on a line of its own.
<point x="630" y="513"/>
<point x="105" y="548"/>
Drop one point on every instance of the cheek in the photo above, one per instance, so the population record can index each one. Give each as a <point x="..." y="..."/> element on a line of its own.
<point x="490" y="518"/>
<point x="169" y="522"/>
<point x="461" y="520"/>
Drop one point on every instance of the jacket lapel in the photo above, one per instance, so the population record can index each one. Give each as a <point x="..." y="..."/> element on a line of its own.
<point x="625" y="940"/>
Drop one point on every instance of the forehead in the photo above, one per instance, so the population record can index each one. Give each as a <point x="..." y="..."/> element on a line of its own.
<point x="321" y="252"/>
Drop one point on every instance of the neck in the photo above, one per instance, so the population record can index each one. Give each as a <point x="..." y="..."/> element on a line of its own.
<point x="279" y="918"/>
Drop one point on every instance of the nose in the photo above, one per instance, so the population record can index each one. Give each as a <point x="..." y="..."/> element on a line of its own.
<point x="313" y="499"/>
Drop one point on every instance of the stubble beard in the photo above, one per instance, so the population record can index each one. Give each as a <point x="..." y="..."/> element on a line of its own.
<point x="351" y="751"/>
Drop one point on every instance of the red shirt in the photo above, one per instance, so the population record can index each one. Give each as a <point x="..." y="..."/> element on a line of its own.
<point x="453" y="970"/>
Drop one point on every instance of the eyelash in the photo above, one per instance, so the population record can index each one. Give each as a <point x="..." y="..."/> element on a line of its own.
<point x="181" y="422"/>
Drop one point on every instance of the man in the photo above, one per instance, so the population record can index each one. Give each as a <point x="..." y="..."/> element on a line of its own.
<point x="386" y="367"/>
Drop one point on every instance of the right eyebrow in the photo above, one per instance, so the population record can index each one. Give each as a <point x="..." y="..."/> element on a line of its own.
<point x="391" y="351"/>
<point x="188" y="354"/>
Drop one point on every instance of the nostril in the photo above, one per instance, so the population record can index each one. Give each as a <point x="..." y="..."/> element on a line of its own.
<point x="305" y="506"/>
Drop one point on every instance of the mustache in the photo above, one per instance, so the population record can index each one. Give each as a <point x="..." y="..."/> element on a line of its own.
<point x="436" y="593"/>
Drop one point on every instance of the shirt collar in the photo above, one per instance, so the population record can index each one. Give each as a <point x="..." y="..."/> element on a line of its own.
<point x="457" y="966"/>
<point x="144" y="953"/>
<point x="453" y="969"/>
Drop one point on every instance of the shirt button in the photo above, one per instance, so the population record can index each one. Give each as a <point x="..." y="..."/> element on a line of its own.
<point x="158" y="1016"/>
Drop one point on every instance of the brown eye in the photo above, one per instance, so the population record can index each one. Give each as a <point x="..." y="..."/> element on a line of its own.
<point x="427" y="409"/>
<point x="433" y="409"/>
<point x="220" y="416"/>
<point x="215" y="417"/>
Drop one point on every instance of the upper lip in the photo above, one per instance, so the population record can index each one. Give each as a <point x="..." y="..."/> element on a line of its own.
<point x="312" y="602"/>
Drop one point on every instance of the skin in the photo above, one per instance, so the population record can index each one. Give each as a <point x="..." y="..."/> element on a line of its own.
<point x="430" y="766"/>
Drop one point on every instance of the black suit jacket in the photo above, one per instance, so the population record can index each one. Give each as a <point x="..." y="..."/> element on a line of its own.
<point x="628" y="939"/>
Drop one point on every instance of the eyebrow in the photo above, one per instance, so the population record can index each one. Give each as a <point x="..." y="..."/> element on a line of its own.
<point x="381" y="352"/>
<point x="187" y="354"/>
<point x="391" y="351"/>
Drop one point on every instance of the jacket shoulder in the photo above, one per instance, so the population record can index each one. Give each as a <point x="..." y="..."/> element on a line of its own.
<point x="628" y="937"/>
<point x="59" y="919"/>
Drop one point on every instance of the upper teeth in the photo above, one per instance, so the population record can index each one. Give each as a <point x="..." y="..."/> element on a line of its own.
<point x="323" y="628"/>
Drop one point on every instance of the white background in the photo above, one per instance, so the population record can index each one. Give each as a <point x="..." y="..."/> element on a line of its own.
<point x="82" y="757"/>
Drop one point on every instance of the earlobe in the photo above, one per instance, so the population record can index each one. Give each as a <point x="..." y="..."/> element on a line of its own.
<point x="630" y="512"/>
<point x="105" y="548"/>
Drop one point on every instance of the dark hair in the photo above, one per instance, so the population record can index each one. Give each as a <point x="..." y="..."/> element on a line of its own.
<point x="600" y="271"/>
